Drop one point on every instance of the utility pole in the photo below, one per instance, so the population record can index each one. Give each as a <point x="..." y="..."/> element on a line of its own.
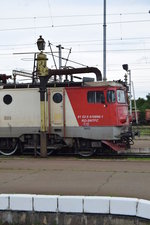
<point x="60" y="59"/>
<point x="125" y="67"/>
<point x="104" y="43"/>
<point x="130" y="91"/>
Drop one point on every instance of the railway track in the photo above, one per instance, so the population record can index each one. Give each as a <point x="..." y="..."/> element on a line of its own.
<point x="144" y="153"/>
<point x="97" y="155"/>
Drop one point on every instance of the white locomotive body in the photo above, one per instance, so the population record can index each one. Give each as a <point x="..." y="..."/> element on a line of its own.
<point x="20" y="111"/>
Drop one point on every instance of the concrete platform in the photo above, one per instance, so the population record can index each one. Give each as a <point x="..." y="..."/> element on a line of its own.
<point x="73" y="176"/>
<point x="25" y="209"/>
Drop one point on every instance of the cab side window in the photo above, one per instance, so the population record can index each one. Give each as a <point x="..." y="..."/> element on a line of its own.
<point x="111" y="98"/>
<point x="95" y="97"/>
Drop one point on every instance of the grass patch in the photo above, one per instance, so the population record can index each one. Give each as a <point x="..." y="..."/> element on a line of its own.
<point x="144" y="130"/>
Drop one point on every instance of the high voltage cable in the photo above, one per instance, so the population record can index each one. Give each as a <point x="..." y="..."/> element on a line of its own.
<point x="76" y="15"/>
<point x="109" y="39"/>
<point x="9" y="45"/>
<point x="46" y="17"/>
<point x="72" y="25"/>
<point x="108" y="44"/>
<point x="132" y="69"/>
<point x="86" y="42"/>
<point x="81" y="41"/>
<point x="123" y="39"/>
<point x="115" y="50"/>
<point x="94" y="51"/>
<point x="45" y="27"/>
<point x="129" y="21"/>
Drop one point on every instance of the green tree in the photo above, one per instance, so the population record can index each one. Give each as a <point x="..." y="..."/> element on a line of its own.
<point x="140" y="102"/>
<point x="143" y="104"/>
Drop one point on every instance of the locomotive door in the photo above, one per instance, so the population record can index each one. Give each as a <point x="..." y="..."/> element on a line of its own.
<point x="56" y="109"/>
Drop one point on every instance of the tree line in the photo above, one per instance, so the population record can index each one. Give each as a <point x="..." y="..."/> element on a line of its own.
<point x="142" y="104"/>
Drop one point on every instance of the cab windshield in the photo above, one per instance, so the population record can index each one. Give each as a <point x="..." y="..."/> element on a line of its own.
<point x="121" y="98"/>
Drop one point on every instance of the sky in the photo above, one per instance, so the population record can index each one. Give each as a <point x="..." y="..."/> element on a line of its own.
<point x="79" y="25"/>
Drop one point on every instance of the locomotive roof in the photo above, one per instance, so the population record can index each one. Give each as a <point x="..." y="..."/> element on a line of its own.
<point x="104" y="83"/>
<point x="65" y="84"/>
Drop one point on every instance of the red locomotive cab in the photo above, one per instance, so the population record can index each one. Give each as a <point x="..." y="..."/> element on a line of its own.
<point x="104" y="105"/>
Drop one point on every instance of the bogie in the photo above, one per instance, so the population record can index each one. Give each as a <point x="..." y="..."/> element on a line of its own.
<point x="8" y="146"/>
<point x="84" y="147"/>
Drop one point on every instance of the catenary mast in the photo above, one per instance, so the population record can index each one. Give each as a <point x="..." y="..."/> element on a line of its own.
<point x="104" y="43"/>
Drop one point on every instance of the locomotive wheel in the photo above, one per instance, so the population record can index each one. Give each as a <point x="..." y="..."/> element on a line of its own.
<point x="86" y="152"/>
<point x="84" y="148"/>
<point x="8" y="146"/>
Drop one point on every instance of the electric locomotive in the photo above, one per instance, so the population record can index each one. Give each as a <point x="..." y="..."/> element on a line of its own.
<point x="84" y="116"/>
